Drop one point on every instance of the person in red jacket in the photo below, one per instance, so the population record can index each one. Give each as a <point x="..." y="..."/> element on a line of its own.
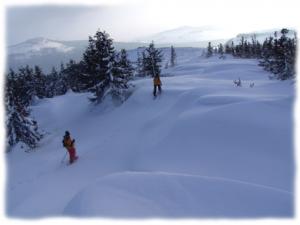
<point x="68" y="143"/>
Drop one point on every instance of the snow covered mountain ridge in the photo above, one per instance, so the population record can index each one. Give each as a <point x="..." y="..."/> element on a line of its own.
<point x="48" y="53"/>
<point x="186" y="34"/>
<point x="37" y="46"/>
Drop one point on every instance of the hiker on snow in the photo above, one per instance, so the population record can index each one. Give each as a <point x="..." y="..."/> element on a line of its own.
<point x="68" y="143"/>
<point x="157" y="84"/>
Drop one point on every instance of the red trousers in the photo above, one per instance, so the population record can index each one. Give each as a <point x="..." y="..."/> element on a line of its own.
<point x="72" y="153"/>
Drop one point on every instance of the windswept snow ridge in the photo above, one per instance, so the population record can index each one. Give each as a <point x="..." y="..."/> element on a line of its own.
<point x="204" y="149"/>
<point x="137" y="194"/>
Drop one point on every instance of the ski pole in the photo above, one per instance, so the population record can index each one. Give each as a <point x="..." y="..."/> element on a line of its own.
<point x="63" y="158"/>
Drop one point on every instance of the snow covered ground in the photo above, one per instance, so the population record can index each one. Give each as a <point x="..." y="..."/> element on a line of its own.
<point x="203" y="149"/>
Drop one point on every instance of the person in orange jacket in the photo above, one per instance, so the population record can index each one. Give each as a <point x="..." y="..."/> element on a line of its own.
<point x="68" y="143"/>
<point x="157" y="84"/>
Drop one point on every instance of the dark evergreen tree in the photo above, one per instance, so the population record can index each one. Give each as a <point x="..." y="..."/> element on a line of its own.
<point x="98" y="60"/>
<point x="51" y="80"/>
<point x="276" y="54"/>
<point x="144" y="69"/>
<point x="139" y="64"/>
<point x="232" y="48"/>
<point x="61" y="85"/>
<point x="215" y="50"/>
<point x="122" y="73"/>
<point x="220" y="49"/>
<point x="285" y="56"/>
<point x="173" y="57"/>
<point x="209" y="50"/>
<point x="152" y="61"/>
<point x="39" y="82"/>
<point x="267" y="52"/>
<point x="75" y="76"/>
<point x="228" y="49"/>
<point x="64" y="76"/>
<point x="125" y="65"/>
<point x="26" y="86"/>
<point x="19" y="126"/>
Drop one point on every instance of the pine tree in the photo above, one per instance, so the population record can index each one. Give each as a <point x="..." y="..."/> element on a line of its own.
<point x="221" y="51"/>
<point x="232" y="48"/>
<point x="139" y="64"/>
<point x="51" y="83"/>
<point x="267" y="52"/>
<point x="278" y="55"/>
<point x="152" y="61"/>
<point x="173" y="57"/>
<point x="61" y="86"/>
<point x="255" y="48"/>
<point x="26" y="86"/>
<point x="63" y="75"/>
<point x="98" y="59"/>
<point x="285" y="57"/>
<point x="144" y="69"/>
<point x="39" y="82"/>
<point x="75" y="76"/>
<point x="125" y="65"/>
<point x="122" y="73"/>
<point x="19" y="126"/>
<point x="209" y="50"/>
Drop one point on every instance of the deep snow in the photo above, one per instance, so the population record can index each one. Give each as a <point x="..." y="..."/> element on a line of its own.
<point x="204" y="148"/>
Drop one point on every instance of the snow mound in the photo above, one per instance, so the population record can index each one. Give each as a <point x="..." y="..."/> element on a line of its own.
<point x="159" y="194"/>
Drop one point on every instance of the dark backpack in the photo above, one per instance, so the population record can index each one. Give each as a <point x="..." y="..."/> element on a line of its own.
<point x="63" y="142"/>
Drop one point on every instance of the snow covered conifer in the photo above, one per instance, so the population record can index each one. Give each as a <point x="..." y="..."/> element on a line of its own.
<point x="40" y="82"/>
<point x="286" y="56"/>
<point x="152" y="60"/>
<point x="125" y="65"/>
<point x="139" y="64"/>
<point x="209" y="50"/>
<point x="220" y="49"/>
<point x="74" y="74"/>
<point x="144" y="72"/>
<point x="173" y="57"/>
<point x="19" y="126"/>
<point x="267" y="54"/>
<point x="25" y="85"/>
<point x="51" y="83"/>
<point x="122" y="73"/>
<point x="61" y="86"/>
<point x="98" y="59"/>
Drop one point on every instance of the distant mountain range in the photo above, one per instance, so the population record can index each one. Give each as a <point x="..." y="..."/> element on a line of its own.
<point x="48" y="53"/>
<point x="198" y="36"/>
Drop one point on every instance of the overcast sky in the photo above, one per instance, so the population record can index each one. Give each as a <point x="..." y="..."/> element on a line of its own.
<point x="130" y="21"/>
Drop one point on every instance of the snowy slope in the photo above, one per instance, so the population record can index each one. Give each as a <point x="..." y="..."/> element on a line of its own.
<point x="205" y="148"/>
